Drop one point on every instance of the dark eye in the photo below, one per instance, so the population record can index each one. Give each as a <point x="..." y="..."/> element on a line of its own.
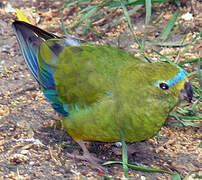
<point x="164" y="86"/>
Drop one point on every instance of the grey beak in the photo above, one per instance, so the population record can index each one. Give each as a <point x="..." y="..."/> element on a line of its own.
<point x="187" y="92"/>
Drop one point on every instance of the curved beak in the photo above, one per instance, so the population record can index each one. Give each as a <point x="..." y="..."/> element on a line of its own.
<point x="187" y="92"/>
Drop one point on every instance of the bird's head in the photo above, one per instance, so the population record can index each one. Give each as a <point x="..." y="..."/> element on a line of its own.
<point x="174" y="79"/>
<point x="156" y="83"/>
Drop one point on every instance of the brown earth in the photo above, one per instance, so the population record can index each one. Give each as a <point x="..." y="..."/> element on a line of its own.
<point x="31" y="144"/>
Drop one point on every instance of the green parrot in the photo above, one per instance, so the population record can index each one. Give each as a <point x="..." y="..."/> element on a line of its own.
<point x="101" y="90"/>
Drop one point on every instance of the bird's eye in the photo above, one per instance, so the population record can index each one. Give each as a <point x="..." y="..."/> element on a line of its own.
<point x="164" y="86"/>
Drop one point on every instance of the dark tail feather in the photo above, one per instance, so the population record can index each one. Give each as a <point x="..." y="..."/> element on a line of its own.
<point x="30" y="38"/>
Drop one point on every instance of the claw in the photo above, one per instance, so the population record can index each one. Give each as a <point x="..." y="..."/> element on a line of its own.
<point x="87" y="157"/>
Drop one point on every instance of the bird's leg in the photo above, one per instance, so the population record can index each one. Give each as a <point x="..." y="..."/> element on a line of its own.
<point x="86" y="156"/>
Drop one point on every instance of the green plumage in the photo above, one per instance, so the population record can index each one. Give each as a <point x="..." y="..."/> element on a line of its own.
<point x="84" y="74"/>
<point x="135" y="107"/>
<point x="101" y="90"/>
<point x="90" y="72"/>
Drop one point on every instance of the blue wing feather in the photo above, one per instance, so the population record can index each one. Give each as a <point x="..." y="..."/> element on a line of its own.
<point x="30" y="39"/>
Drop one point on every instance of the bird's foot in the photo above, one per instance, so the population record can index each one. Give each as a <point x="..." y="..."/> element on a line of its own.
<point x="87" y="157"/>
<point x="90" y="158"/>
<point x="84" y="157"/>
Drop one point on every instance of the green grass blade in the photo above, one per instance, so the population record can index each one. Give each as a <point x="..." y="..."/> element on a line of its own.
<point x="164" y="57"/>
<point x="199" y="72"/>
<point x="125" y="11"/>
<point x="148" y="11"/>
<point x="178" y="2"/>
<point x="198" y="36"/>
<point x="139" y="168"/>
<point x="124" y="155"/>
<point x="126" y="164"/>
<point x="146" y="169"/>
<point x="171" y="43"/>
<point x="173" y="32"/>
<point x="117" y="20"/>
<point x="82" y="2"/>
<point x="88" y="8"/>
<point x="69" y="3"/>
<point x="88" y="27"/>
<point x="129" y="22"/>
<point x="147" y="19"/>
<point x="137" y="2"/>
<point x="111" y="162"/>
<point x="85" y="16"/>
<point x="176" y="177"/>
<point x="189" y="61"/>
<point x="169" y="26"/>
<point x="64" y="29"/>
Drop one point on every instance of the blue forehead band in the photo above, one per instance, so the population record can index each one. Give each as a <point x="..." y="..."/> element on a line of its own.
<point x="171" y="82"/>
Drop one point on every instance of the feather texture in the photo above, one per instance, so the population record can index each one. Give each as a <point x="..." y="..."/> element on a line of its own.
<point x="101" y="90"/>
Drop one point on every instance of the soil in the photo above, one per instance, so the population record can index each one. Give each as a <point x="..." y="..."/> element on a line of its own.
<point x="32" y="143"/>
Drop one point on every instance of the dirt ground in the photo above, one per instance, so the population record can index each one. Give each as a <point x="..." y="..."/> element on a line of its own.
<point x="31" y="144"/>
